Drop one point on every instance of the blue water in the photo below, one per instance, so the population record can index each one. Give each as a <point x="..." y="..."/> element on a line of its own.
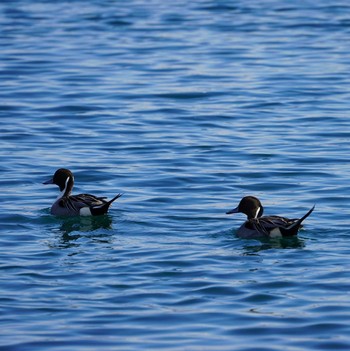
<point x="184" y="107"/>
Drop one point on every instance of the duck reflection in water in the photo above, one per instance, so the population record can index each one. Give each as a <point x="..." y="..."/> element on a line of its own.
<point x="275" y="243"/>
<point x="74" y="227"/>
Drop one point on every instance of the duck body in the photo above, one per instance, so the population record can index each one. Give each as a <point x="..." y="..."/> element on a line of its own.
<point x="259" y="226"/>
<point x="76" y="205"/>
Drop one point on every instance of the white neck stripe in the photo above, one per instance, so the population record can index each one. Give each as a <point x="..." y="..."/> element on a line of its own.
<point x="257" y="212"/>
<point x="64" y="190"/>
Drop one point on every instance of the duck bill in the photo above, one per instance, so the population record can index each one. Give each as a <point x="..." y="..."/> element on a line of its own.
<point x="50" y="181"/>
<point x="235" y="210"/>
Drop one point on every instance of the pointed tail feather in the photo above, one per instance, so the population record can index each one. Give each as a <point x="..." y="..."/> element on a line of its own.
<point x="294" y="227"/>
<point x="103" y="209"/>
<point x="115" y="198"/>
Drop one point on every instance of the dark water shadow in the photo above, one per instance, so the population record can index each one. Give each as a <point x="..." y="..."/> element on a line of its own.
<point x="70" y="229"/>
<point x="275" y="243"/>
<point x="254" y="246"/>
<point x="84" y="224"/>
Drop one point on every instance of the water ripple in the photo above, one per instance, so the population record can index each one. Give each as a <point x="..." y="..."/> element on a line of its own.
<point x="183" y="107"/>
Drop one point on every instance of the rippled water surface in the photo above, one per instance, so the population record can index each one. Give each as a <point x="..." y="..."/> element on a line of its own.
<point x="184" y="107"/>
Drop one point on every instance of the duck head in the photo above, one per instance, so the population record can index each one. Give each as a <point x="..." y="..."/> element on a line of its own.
<point x="64" y="179"/>
<point x="250" y="206"/>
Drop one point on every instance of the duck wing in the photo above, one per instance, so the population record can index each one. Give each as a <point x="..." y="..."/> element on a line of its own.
<point x="287" y="227"/>
<point x="89" y="200"/>
<point x="264" y="225"/>
<point x="71" y="205"/>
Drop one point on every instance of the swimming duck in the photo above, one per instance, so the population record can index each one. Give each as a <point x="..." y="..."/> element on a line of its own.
<point x="268" y="226"/>
<point x="76" y="205"/>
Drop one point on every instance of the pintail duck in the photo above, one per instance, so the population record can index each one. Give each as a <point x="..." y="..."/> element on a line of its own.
<point x="268" y="226"/>
<point x="76" y="205"/>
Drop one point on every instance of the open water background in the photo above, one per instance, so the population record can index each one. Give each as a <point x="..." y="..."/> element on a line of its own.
<point x="185" y="107"/>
